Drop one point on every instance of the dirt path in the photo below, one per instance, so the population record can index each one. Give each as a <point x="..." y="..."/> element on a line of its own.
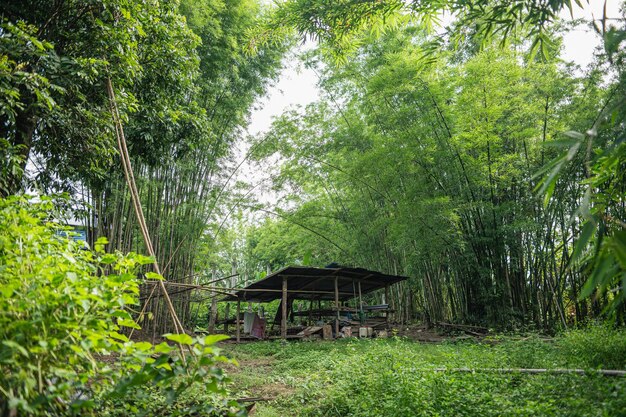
<point x="254" y="376"/>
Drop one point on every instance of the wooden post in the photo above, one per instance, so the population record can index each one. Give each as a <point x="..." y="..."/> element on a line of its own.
<point x="387" y="302"/>
<point x="386" y="295"/>
<point x="337" y="306"/>
<point x="360" y="300"/>
<point x="311" y="313"/>
<point x="226" y="318"/>
<point x="283" y="322"/>
<point x="238" y="321"/>
<point x="212" y="314"/>
<point x="213" y="311"/>
<point x="319" y="309"/>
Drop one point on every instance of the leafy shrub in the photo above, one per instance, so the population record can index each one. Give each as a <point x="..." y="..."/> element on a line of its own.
<point x="62" y="307"/>
<point x="596" y="347"/>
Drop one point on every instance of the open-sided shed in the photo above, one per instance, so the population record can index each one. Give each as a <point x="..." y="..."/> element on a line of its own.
<point x="335" y="283"/>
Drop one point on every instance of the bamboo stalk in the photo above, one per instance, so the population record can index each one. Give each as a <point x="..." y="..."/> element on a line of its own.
<point x="130" y="179"/>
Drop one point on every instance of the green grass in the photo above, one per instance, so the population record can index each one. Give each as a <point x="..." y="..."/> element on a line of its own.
<point x="397" y="377"/>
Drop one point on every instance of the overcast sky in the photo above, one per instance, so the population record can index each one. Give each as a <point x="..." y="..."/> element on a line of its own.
<point x="297" y="85"/>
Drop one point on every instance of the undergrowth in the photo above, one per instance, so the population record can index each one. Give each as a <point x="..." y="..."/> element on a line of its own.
<point x="398" y="377"/>
<point x="65" y="308"/>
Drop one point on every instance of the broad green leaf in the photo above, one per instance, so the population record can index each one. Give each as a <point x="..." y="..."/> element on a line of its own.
<point x="181" y="338"/>
<point x="617" y="243"/>
<point x="144" y="260"/>
<point x="127" y="323"/>
<point x="154" y="276"/>
<point x="588" y="229"/>
<point x="214" y="338"/>
<point x="108" y="259"/>
<point x="118" y="336"/>
<point x="163" y="348"/>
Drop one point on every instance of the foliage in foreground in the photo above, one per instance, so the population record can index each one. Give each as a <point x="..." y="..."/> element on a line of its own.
<point x="64" y="307"/>
<point x="397" y="377"/>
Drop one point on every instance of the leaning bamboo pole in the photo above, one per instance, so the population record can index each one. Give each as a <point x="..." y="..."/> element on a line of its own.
<point x="130" y="180"/>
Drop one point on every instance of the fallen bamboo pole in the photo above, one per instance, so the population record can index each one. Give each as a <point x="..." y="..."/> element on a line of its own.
<point x="254" y="399"/>
<point x="604" y="372"/>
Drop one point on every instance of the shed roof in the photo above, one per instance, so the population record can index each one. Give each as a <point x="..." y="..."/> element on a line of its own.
<point x="307" y="283"/>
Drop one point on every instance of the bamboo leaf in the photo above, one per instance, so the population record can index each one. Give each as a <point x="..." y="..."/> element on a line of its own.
<point x="583" y="240"/>
<point x="154" y="276"/>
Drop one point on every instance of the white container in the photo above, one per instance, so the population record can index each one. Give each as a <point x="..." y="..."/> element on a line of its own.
<point x="346" y="331"/>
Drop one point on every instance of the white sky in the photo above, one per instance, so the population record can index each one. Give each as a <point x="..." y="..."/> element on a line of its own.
<point x="297" y="85"/>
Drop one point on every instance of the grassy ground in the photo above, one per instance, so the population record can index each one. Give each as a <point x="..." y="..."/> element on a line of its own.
<point x="397" y="377"/>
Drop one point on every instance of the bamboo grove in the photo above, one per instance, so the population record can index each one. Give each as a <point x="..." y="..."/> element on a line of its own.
<point x="182" y="188"/>
<point x="434" y="171"/>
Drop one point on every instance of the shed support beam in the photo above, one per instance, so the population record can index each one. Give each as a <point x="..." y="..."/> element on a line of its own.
<point x="360" y="300"/>
<point x="283" y="322"/>
<point x="212" y="315"/>
<point x="213" y="311"/>
<point x="386" y="301"/>
<point x="227" y="317"/>
<point x="238" y="321"/>
<point x="319" y="308"/>
<point x="337" y="306"/>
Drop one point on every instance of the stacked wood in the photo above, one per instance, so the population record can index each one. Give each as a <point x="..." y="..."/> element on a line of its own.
<point x="310" y="330"/>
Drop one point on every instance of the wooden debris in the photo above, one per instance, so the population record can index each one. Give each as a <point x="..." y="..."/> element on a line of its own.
<point x="310" y="330"/>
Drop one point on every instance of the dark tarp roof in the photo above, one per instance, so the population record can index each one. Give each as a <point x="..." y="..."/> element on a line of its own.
<point x="307" y="283"/>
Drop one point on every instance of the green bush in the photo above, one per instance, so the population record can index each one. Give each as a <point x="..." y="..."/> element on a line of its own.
<point x="596" y="347"/>
<point x="62" y="307"/>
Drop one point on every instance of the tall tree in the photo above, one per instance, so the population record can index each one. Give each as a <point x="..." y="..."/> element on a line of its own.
<point x="56" y="58"/>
